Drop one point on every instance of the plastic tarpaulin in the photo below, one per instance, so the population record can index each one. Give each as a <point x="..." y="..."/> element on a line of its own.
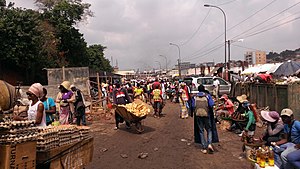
<point x="270" y="68"/>
<point x="287" y="68"/>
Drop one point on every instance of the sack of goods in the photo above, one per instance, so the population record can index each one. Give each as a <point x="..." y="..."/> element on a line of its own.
<point x="138" y="108"/>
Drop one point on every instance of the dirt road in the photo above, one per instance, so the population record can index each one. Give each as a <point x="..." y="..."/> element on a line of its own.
<point x="168" y="142"/>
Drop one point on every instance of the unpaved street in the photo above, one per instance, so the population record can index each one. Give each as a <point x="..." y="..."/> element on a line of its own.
<point x="168" y="142"/>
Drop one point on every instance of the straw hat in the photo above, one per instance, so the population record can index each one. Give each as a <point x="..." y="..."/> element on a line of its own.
<point x="242" y="98"/>
<point x="270" y="116"/>
<point x="66" y="85"/>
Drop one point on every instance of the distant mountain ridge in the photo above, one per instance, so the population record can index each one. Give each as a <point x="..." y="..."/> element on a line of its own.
<point x="284" y="56"/>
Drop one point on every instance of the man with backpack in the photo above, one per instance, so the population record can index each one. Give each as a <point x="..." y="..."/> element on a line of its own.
<point x="202" y="117"/>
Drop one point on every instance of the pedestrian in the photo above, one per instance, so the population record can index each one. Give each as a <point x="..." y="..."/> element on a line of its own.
<point x="79" y="106"/>
<point x="184" y="96"/>
<point x="216" y="87"/>
<point x="215" y="138"/>
<point x="120" y="97"/>
<point x="50" y="107"/>
<point x="274" y="127"/>
<point x="157" y="101"/>
<point x="202" y="116"/>
<point x="139" y="92"/>
<point x="65" y="98"/>
<point x="291" y="138"/>
<point x="35" y="110"/>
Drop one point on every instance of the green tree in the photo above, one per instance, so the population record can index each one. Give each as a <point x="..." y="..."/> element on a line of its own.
<point x="21" y="41"/>
<point x="97" y="61"/>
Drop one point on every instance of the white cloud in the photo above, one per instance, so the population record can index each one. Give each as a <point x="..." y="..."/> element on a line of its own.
<point x="136" y="32"/>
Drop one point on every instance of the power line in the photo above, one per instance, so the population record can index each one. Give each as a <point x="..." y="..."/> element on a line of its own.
<point x="284" y="23"/>
<point x="266" y="20"/>
<point x="245" y="47"/>
<point x="208" y="51"/>
<point x="233" y="27"/>
<point x="278" y="21"/>
<point x="251" y="15"/>
<point x="225" y="3"/>
<point x="196" y="30"/>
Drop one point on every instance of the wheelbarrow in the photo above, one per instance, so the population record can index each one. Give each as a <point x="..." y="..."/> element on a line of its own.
<point x="130" y="117"/>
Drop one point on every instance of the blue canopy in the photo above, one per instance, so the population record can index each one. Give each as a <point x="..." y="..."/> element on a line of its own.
<point x="287" y="68"/>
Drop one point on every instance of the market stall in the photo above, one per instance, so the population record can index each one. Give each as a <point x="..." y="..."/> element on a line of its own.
<point x="22" y="145"/>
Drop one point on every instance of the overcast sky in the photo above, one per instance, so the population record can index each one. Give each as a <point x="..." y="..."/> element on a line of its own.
<point x="136" y="32"/>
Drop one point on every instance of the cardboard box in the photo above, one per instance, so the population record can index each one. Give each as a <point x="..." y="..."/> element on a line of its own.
<point x="18" y="156"/>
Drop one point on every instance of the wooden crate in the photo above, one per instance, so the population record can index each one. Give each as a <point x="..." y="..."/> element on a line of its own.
<point x="75" y="156"/>
<point x="18" y="156"/>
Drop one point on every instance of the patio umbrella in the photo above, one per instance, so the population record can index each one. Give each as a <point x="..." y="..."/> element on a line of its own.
<point x="287" y="68"/>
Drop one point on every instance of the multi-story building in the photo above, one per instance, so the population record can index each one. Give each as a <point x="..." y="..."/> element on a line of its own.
<point x="249" y="57"/>
<point x="260" y="57"/>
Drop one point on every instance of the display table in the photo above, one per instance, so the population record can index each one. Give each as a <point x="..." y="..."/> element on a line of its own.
<point x="76" y="155"/>
<point x="267" y="167"/>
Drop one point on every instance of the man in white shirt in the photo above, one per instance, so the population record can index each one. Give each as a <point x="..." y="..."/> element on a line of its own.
<point x="216" y="85"/>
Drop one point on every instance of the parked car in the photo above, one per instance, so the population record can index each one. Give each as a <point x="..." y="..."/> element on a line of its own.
<point x="207" y="82"/>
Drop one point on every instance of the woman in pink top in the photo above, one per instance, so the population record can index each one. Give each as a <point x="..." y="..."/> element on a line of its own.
<point x="227" y="108"/>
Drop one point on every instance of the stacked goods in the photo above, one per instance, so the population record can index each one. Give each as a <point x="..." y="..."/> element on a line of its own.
<point x="13" y="132"/>
<point x="56" y="136"/>
<point x="47" y="138"/>
<point x="138" y="109"/>
<point x="84" y="132"/>
<point x="263" y="156"/>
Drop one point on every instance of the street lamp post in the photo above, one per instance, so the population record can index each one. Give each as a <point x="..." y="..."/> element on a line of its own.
<point x="159" y="66"/>
<point x="166" y="62"/>
<point x="225" y="41"/>
<point x="179" y="60"/>
<point x="229" y="53"/>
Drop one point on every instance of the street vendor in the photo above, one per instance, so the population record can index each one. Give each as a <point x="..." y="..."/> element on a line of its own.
<point x="226" y="108"/>
<point x="36" y="110"/>
<point x="65" y="98"/>
<point x="79" y="106"/>
<point x="120" y="96"/>
<point x="251" y="122"/>
<point x="291" y="138"/>
<point x="274" y="127"/>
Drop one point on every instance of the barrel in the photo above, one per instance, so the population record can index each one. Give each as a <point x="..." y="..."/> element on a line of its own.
<point x="7" y="95"/>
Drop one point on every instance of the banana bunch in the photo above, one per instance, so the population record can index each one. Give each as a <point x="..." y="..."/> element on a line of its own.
<point x="138" y="110"/>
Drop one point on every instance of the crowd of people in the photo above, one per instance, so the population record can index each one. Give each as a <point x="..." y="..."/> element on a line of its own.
<point x="42" y="109"/>
<point x="282" y="130"/>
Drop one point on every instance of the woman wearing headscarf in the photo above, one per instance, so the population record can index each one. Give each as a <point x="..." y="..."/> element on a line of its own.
<point x="65" y="98"/>
<point x="35" y="109"/>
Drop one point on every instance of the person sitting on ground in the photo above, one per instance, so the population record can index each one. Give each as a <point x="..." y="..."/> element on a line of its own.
<point x="274" y="127"/>
<point x="249" y="130"/>
<point x="50" y="107"/>
<point x="290" y="141"/>
<point x="157" y="101"/>
<point x="227" y="107"/>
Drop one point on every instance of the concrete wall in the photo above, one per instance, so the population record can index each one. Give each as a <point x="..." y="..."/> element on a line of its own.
<point x="79" y="76"/>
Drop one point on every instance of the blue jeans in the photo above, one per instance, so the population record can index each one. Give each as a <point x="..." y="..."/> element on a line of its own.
<point x="204" y="123"/>
<point x="281" y="155"/>
<point x="293" y="158"/>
